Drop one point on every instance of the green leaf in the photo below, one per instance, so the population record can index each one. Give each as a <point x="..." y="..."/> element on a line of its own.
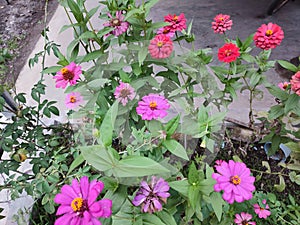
<point x="194" y="195"/>
<point x="98" y="157"/>
<point x="194" y="176"/>
<point x="54" y="110"/>
<point x="52" y="69"/>
<point x="275" y="112"/>
<point x="142" y="54"/>
<point x="166" y="217"/>
<point x="107" y="126"/>
<point x="291" y="103"/>
<point x="92" y="55"/>
<point x="124" y="216"/>
<point x="281" y="186"/>
<point x="287" y="65"/>
<point x="75" y="10"/>
<point x="217" y="203"/>
<point x="152" y="219"/>
<point x="137" y="166"/>
<point x="172" y="125"/>
<point x="97" y="83"/>
<point x="182" y="186"/>
<point x="176" y="148"/>
<point x="77" y="162"/>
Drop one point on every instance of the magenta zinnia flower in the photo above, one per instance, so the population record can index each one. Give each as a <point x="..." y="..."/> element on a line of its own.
<point x="235" y="180"/>
<point x="228" y="53"/>
<point x="124" y="92"/>
<point x="120" y="26"/>
<point x="78" y="203"/>
<point x="268" y="36"/>
<point x="152" y="106"/>
<point x="221" y="23"/>
<point x="152" y="196"/>
<point x="283" y="85"/>
<point x="73" y="100"/>
<point x="177" y="23"/>
<point x="243" y="219"/>
<point x="295" y="83"/>
<point x="68" y="74"/>
<point x="262" y="212"/>
<point x="166" y="31"/>
<point x="161" y="46"/>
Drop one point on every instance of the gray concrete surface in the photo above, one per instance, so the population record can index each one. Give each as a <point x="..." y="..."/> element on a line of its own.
<point x="246" y="16"/>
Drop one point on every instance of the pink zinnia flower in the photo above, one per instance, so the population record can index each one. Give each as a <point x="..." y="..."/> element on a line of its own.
<point x="68" y="74"/>
<point x="152" y="195"/>
<point x="221" y="23"/>
<point x="152" y="106"/>
<point x="262" y="212"/>
<point x="79" y="205"/>
<point x="161" y="46"/>
<point x="243" y="219"/>
<point x="235" y="180"/>
<point x="268" y="36"/>
<point x="124" y="92"/>
<point x="120" y="26"/>
<point x="295" y="83"/>
<point x="283" y="85"/>
<point x="73" y="100"/>
<point x="166" y="31"/>
<point x="177" y="23"/>
<point x="228" y="53"/>
<point x="219" y="162"/>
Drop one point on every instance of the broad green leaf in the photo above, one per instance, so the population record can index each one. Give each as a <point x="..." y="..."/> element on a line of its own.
<point x="107" y="126"/>
<point x="182" y="186"/>
<point x="152" y="219"/>
<point x="52" y="69"/>
<point x="142" y="54"/>
<point x="137" y="166"/>
<point x="172" y="125"/>
<point x="281" y="186"/>
<point x="287" y="65"/>
<point x="217" y="203"/>
<point x="166" y="217"/>
<point x="194" y="195"/>
<point x="77" y="162"/>
<point x="97" y="83"/>
<point x="124" y="216"/>
<point x="176" y="148"/>
<point x="92" y="55"/>
<point x="75" y="10"/>
<point x="275" y="112"/>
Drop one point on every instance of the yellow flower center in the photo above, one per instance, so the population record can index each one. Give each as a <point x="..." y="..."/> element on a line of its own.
<point x="159" y="44"/>
<point x="153" y="105"/>
<point x="77" y="204"/>
<point x="72" y="99"/>
<point x="228" y="52"/>
<point x="236" y="180"/>
<point x="245" y="223"/>
<point x="175" y="18"/>
<point x="221" y="18"/>
<point x="115" y="22"/>
<point x="67" y="74"/>
<point x="269" y="32"/>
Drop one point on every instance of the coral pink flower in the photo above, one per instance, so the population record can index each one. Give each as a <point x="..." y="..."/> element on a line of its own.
<point x="166" y="31"/>
<point x="161" y="46"/>
<point x="124" y="92"/>
<point x="68" y="74"/>
<point x="268" y="36"/>
<point x="221" y="23"/>
<point x="243" y="219"/>
<point x="152" y="106"/>
<point x="262" y="212"/>
<point x="295" y="83"/>
<point x="235" y="180"/>
<point x="152" y="195"/>
<point x="79" y="205"/>
<point x="73" y="100"/>
<point x="120" y="26"/>
<point x="283" y="85"/>
<point x="177" y="23"/>
<point x="228" y="53"/>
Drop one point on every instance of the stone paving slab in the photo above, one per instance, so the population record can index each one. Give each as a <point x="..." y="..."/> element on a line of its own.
<point x="245" y="14"/>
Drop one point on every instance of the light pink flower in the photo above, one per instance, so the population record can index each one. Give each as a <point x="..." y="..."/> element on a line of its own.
<point x="120" y="26"/>
<point x="234" y="179"/>
<point x="68" y="74"/>
<point x="124" y="92"/>
<point x="262" y="212"/>
<point x="161" y="46"/>
<point x="73" y="100"/>
<point x="243" y="219"/>
<point x="283" y="85"/>
<point x="219" y="162"/>
<point x="166" y="31"/>
<point x="152" y="106"/>
<point x="268" y="36"/>
<point x="79" y="205"/>
<point x="177" y="23"/>
<point x="152" y="196"/>
<point x="221" y="23"/>
<point x="295" y="83"/>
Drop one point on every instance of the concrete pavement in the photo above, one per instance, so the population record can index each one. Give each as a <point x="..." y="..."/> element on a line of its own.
<point x="246" y="16"/>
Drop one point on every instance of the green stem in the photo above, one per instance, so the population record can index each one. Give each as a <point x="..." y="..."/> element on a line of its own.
<point x="271" y="173"/>
<point x="251" y="118"/>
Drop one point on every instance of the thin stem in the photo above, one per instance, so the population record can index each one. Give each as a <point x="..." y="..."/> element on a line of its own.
<point x="271" y="173"/>
<point x="251" y="118"/>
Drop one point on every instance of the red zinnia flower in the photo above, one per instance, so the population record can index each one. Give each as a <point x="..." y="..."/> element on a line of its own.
<point x="295" y="83"/>
<point x="228" y="53"/>
<point x="176" y="22"/>
<point x="268" y="36"/>
<point x="221" y="23"/>
<point x="161" y="46"/>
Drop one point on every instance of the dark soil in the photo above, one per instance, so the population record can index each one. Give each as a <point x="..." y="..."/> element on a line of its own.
<point x="21" y="24"/>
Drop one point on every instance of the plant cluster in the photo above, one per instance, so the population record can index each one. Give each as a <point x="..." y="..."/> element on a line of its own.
<point x="143" y="98"/>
